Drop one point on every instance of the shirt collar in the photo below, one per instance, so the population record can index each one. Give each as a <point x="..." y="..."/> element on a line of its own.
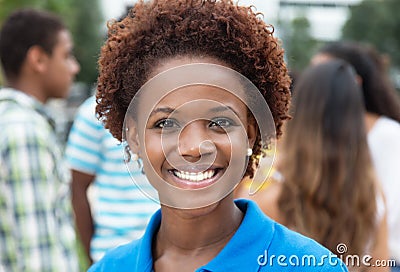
<point x="253" y="236"/>
<point x="250" y="240"/>
<point x="27" y="101"/>
<point x="144" y="259"/>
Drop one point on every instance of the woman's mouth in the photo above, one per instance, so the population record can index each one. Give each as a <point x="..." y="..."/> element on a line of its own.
<point x="191" y="176"/>
<point x="195" y="180"/>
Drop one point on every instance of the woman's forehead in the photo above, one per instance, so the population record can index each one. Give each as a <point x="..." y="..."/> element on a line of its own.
<point x="183" y="80"/>
<point x="205" y="95"/>
<point x="176" y="61"/>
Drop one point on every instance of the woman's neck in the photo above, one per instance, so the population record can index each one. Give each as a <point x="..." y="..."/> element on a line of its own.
<point x="197" y="232"/>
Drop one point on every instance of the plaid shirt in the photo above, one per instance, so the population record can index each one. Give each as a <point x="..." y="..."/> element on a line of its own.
<point x="36" y="231"/>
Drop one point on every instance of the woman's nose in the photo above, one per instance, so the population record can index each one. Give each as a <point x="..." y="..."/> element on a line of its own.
<point x="194" y="140"/>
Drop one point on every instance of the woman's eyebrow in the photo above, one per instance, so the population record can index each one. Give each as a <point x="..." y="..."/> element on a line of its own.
<point x="222" y="109"/>
<point x="213" y="110"/>
<point x="164" y="110"/>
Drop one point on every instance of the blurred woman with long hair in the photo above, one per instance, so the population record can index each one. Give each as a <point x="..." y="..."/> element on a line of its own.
<point x="382" y="117"/>
<point x="328" y="189"/>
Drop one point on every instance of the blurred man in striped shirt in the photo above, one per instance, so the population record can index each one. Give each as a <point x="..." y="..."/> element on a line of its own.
<point x="116" y="210"/>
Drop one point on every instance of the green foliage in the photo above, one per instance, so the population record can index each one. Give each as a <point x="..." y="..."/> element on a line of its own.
<point x="8" y="6"/>
<point x="87" y="32"/>
<point x="298" y="43"/>
<point x="61" y="7"/>
<point x="376" y="22"/>
<point x="83" y="18"/>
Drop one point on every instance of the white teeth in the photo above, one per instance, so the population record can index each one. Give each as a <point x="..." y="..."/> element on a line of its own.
<point x="194" y="176"/>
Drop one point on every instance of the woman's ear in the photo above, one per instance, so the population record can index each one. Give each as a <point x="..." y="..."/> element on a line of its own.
<point x="132" y="137"/>
<point x="251" y="131"/>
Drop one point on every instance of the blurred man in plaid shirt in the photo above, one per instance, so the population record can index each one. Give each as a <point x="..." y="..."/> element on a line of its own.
<point x="36" y="231"/>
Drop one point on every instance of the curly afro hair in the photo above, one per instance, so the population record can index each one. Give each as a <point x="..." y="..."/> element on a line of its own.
<point x="161" y="29"/>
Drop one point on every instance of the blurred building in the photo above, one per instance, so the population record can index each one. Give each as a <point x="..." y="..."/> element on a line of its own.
<point x="326" y="17"/>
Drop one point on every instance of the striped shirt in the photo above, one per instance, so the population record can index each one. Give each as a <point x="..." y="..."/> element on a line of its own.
<point x="36" y="230"/>
<point x="120" y="210"/>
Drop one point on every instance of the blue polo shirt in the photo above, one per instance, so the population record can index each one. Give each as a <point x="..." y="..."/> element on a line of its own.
<point x="259" y="244"/>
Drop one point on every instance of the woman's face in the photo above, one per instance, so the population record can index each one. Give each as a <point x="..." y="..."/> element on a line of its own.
<point x="194" y="138"/>
<point x="200" y="124"/>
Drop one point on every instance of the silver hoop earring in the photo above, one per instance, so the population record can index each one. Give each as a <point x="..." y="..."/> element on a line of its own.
<point x="249" y="152"/>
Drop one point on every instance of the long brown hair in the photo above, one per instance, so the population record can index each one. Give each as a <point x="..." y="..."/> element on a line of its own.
<point x="329" y="189"/>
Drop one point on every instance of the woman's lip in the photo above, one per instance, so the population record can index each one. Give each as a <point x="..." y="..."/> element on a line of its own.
<point x="191" y="184"/>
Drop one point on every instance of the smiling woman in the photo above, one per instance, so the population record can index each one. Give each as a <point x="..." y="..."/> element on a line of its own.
<point x="190" y="86"/>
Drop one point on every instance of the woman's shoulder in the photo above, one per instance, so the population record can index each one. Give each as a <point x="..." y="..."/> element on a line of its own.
<point x="277" y="248"/>
<point x="292" y="249"/>
<point x="117" y="259"/>
<point x="385" y="127"/>
<point x="383" y="139"/>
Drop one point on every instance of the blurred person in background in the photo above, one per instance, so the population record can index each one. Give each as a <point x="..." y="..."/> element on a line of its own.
<point x="36" y="226"/>
<point x="109" y="207"/>
<point x="382" y="119"/>
<point x="328" y="189"/>
<point x="246" y="185"/>
<point x="117" y="211"/>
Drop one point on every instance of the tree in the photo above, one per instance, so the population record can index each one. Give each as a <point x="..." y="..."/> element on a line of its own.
<point x="376" y="22"/>
<point x="61" y="7"/>
<point x="298" y="43"/>
<point x="87" y="31"/>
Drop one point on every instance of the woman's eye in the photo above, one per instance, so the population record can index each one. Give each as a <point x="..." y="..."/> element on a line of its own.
<point x="221" y="123"/>
<point x="166" y="123"/>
